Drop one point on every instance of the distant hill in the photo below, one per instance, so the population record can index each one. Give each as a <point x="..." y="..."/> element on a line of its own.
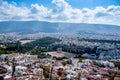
<point x="47" y="27"/>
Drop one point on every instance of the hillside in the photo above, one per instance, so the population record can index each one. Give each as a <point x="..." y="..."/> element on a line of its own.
<point x="47" y="27"/>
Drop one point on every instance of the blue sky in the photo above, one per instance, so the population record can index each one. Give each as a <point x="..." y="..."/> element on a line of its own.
<point x="74" y="3"/>
<point x="75" y="11"/>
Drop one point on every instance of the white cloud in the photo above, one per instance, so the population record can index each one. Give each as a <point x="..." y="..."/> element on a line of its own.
<point x="62" y="12"/>
<point x="39" y="12"/>
<point x="11" y="11"/>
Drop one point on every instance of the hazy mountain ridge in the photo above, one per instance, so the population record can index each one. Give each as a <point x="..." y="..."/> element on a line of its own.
<point x="39" y="26"/>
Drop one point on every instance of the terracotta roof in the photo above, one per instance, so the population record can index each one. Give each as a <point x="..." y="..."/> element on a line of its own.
<point x="10" y="79"/>
<point x="117" y="78"/>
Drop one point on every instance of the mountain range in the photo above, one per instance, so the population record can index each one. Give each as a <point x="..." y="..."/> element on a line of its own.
<point x="55" y="27"/>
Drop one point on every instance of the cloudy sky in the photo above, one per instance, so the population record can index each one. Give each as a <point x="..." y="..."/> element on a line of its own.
<point x="75" y="11"/>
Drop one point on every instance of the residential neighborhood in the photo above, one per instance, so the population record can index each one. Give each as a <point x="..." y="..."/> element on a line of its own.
<point x="29" y="67"/>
